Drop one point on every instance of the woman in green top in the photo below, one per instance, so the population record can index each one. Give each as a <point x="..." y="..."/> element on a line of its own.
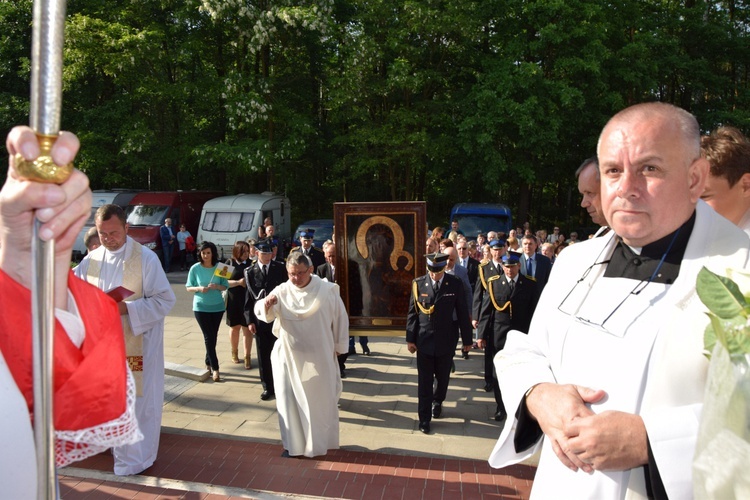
<point x="208" y="304"/>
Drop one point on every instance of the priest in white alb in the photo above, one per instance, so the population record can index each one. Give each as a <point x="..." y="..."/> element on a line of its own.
<point x="312" y="328"/>
<point x="609" y="381"/>
<point x="123" y="262"/>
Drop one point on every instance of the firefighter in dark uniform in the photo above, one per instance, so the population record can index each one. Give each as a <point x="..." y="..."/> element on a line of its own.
<point x="488" y="269"/>
<point x="431" y="333"/>
<point x="316" y="255"/>
<point x="508" y="305"/>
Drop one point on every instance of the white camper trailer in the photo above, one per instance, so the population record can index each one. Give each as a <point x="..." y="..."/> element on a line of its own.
<point x="228" y="219"/>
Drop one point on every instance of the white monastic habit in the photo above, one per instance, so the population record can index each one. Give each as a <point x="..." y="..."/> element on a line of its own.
<point x="311" y="326"/>
<point x="648" y="358"/>
<point x="146" y="320"/>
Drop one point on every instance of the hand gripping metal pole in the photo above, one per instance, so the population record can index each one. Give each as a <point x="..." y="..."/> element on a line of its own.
<point x="46" y="102"/>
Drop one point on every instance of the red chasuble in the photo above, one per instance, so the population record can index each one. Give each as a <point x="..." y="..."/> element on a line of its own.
<point x="90" y="381"/>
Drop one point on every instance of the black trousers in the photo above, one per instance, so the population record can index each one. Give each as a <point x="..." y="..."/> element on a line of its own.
<point x="489" y="357"/>
<point x="429" y="369"/>
<point x="209" y="322"/>
<point x="265" y="340"/>
<point x="342" y="361"/>
<point x="362" y="341"/>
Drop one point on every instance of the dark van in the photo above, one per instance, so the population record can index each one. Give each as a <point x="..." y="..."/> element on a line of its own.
<point x="147" y="211"/>
<point x="475" y="218"/>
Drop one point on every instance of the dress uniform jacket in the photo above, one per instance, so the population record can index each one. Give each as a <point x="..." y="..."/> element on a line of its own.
<point x="503" y="310"/>
<point x="485" y="271"/>
<point x="435" y="333"/>
<point x="259" y="286"/>
<point x="316" y="255"/>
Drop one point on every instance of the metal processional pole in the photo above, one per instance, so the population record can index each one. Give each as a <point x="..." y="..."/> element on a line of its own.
<point x="46" y="102"/>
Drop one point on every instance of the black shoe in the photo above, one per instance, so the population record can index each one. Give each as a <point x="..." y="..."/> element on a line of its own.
<point x="285" y="454"/>
<point x="343" y="373"/>
<point x="437" y="409"/>
<point x="465" y="354"/>
<point x="424" y="427"/>
<point x="487" y="386"/>
<point x="352" y="350"/>
<point x="366" y="351"/>
<point x="267" y="395"/>
<point x="500" y="416"/>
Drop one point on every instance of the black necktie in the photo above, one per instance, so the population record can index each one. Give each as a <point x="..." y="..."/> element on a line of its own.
<point x="264" y="271"/>
<point x="511" y="283"/>
<point x="436" y="287"/>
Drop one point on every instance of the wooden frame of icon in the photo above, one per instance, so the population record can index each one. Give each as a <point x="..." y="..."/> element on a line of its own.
<point x="380" y="250"/>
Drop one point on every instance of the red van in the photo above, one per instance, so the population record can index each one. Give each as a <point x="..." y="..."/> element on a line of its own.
<point x="147" y="211"/>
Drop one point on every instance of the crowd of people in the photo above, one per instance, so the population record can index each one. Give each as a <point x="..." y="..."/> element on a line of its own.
<point x="608" y="389"/>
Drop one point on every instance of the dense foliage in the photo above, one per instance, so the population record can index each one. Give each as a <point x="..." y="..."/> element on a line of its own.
<point x="354" y="100"/>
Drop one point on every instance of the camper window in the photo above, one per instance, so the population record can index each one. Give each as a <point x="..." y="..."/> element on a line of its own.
<point x="227" y="222"/>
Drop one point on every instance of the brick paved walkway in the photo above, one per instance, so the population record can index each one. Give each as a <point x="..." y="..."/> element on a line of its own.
<point x="197" y="467"/>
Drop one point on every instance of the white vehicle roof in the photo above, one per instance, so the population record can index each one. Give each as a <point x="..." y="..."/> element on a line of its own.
<point x="240" y="202"/>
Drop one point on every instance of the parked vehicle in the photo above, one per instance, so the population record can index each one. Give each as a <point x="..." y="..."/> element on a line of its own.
<point x="323" y="231"/>
<point x="120" y="197"/>
<point x="147" y="211"/>
<point x="475" y="218"/>
<point x="229" y="219"/>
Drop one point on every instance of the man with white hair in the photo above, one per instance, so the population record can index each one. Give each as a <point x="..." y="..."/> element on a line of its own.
<point x="609" y="382"/>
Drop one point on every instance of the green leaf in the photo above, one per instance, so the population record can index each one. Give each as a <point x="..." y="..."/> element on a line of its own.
<point x="718" y="329"/>
<point x="721" y="295"/>
<point x="732" y="333"/>
<point x="709" y="340"/>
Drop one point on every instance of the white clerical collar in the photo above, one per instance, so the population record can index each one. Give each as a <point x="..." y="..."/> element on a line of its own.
<point x="636" y="250"/>
<point x="119" y="250"/>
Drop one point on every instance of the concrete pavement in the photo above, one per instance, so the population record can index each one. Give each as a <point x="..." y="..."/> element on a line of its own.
<point x="378" y="404"/>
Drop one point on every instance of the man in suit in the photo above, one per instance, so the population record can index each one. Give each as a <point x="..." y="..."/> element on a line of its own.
<point x="469" y="263"/>
<point x="328" y="272"/>
<point x="534" y="265"/>
<point x="492" y="267"/>
<point x="431" y="333"/>
<point x="463" y="275"/>
<point x="307" y="248"/>
<point x="260" y="279"/>
<point x="508" y="305"/>
<point x="167" y="235"/>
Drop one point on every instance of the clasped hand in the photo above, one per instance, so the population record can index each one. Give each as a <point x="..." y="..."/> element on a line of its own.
<point x="581" y="439"/>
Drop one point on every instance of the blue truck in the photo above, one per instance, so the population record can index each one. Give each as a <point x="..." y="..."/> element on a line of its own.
<point x="475" y="218"/>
